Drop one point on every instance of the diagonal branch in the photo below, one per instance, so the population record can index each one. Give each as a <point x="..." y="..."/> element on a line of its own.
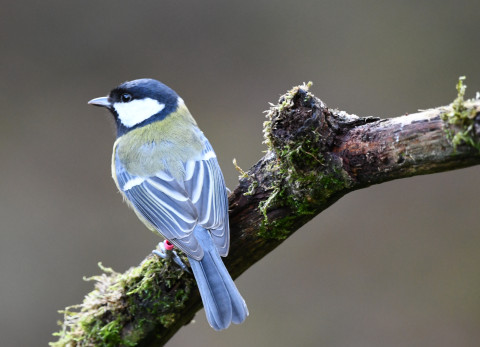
<point x="315" y="156"/>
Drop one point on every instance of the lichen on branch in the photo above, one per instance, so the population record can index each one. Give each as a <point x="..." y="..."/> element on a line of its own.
<point x="463" y="118"/>
<point x="123" y="308"/>
<point x="300" y="133"/>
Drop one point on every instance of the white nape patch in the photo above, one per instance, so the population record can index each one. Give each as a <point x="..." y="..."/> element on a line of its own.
<point x="132" y="183"/>
<point x="136" y="111"/>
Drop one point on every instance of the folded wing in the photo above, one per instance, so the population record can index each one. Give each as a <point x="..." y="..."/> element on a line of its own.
<point x="175" y="206"/>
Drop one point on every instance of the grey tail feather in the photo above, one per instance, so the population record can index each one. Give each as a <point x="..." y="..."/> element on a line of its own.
<point x="222" y="302"/>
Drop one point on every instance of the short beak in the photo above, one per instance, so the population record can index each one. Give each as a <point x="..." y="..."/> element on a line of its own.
<point x="102" y="102"/>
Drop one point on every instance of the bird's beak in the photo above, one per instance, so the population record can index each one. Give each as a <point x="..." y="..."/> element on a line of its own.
<point x="102" y="102"/>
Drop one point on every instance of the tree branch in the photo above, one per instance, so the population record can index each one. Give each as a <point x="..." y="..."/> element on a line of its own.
<point x="315" y="156"/>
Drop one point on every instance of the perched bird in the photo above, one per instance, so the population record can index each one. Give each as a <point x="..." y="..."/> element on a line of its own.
<point x="168" y="173"/>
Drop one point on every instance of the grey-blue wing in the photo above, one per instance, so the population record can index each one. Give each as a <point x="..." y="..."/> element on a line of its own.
<point x="206" y="187"/>
<point x="174" y="207"/>
<point x="164" y="203"/>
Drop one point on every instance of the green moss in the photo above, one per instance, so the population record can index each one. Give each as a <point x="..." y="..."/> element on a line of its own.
<point x="462" y="118"/>
<point x="279" y="229"/>
<point x="304" y="173"/>
<point x="245" y="175"/>
<point x="124" y="307"/>
<point x="110" y="333"/>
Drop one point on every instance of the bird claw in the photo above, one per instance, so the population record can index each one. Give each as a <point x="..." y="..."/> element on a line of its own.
<point x="165" y="251"/>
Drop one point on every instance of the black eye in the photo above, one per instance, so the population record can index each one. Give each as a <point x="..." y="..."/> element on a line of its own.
<point x="126" y="97"/>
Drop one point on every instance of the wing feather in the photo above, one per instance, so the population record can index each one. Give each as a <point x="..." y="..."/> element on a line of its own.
<point x="206" y="186"/>
<point x="163" y="202"/>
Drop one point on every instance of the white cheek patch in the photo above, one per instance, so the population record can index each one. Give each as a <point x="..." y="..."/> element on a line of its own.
<point x="136" y="111"/>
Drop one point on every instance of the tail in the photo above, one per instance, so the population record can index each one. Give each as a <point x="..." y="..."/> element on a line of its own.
<point x="222" y="302"/>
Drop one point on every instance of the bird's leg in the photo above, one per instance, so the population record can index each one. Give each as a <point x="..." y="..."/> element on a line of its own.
<point x="165" y="250"/>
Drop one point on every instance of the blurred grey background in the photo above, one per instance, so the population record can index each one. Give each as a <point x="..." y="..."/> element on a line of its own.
<point x="391" y="265"/>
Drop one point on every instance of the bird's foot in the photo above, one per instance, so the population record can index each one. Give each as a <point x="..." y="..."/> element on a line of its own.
<point x="165" y="251"/>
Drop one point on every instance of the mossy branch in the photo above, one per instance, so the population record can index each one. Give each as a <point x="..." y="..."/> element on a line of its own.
<point x="315" y="156"/>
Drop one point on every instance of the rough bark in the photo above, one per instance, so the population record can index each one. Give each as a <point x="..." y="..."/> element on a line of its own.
<point x="315" y="156"/>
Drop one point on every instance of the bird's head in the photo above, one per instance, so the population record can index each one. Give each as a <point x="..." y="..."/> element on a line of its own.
<point x="137" y="103"/>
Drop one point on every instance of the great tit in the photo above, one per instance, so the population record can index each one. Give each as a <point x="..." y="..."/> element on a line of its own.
<point x="168" y="173"/>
